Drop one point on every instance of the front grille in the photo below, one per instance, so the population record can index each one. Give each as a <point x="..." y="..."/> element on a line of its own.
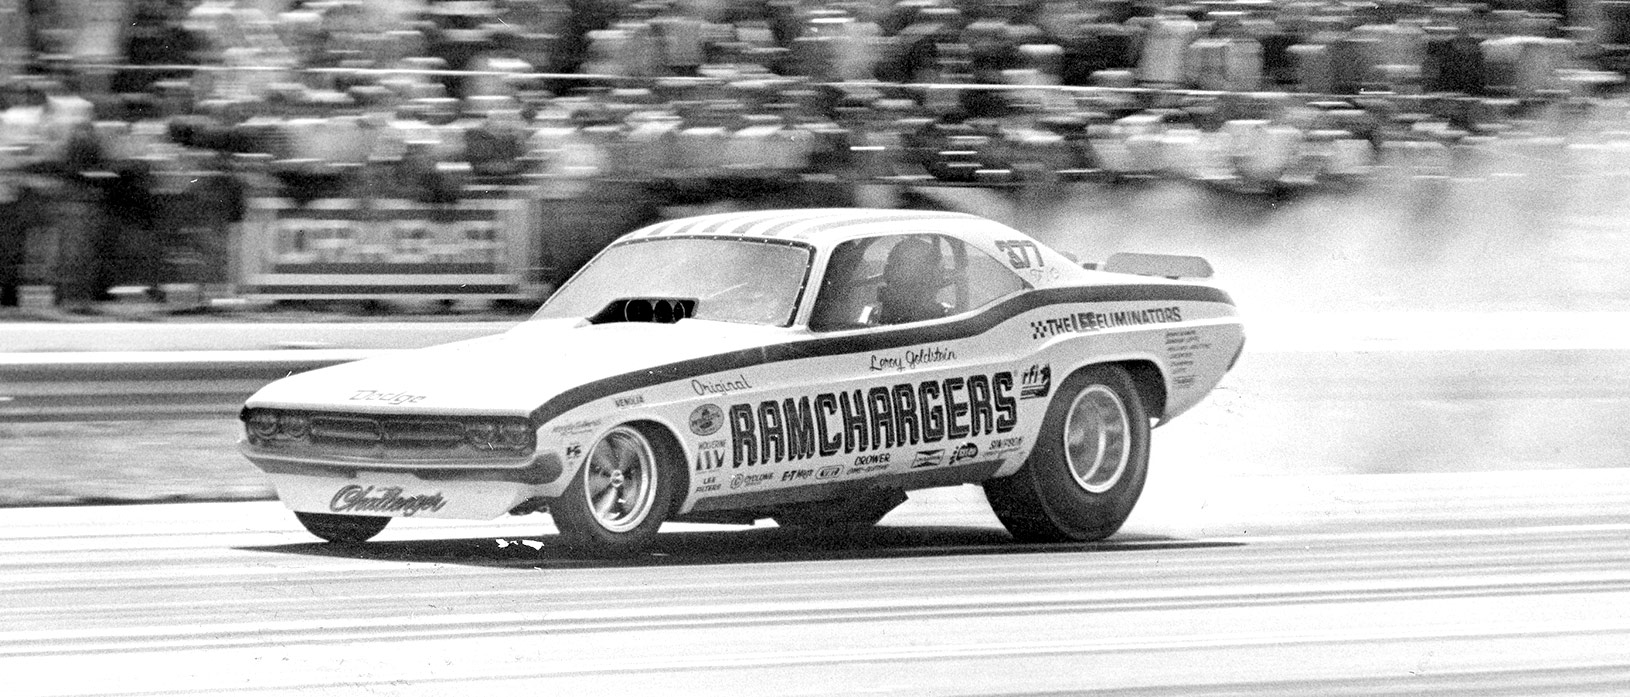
<point x="391" y="432"/>
<point x="345" y="430"/>
<point x="397" y="439"/>
<point x="423" y="434"/>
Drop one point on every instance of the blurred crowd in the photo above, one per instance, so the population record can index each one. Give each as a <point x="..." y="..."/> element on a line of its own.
<point x="137" y="170"/>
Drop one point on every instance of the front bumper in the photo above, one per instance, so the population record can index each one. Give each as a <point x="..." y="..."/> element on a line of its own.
<point x="534" y="469"/>
<point x="400" y="495"/>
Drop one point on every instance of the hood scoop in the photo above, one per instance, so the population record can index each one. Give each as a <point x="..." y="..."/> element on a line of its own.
<point x="651" y="310"/>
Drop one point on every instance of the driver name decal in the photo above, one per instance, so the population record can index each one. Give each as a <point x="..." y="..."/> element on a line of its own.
<point x="359" y="499"/>
<point x="911" y="359"/>
<point x="882" y="417"/>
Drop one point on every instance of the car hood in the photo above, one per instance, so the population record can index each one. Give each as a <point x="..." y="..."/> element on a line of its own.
<point x="510" y="373"/>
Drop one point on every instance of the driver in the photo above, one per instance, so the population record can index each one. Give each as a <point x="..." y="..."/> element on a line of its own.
<point x="911" y="278"/>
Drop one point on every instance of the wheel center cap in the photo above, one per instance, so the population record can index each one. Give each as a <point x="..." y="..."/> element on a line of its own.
<point x="616" y="477"/>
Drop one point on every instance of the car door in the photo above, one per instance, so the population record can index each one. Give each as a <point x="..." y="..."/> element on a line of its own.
<point x="932" y="391"/>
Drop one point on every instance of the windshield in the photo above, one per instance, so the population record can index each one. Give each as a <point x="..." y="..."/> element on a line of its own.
<point x="734" y="280"/>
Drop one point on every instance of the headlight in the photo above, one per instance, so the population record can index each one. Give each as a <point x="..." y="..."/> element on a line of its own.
<point x="271" y="425"/>
<point x="500" y="435"/>
<point x="296" y="426"/>
<point x="482" y="435"/>
<point x="262" y="424"/>
<point x="516" y="436"/>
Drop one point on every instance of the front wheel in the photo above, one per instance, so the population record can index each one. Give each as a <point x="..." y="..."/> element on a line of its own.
<point x="343" y="529"/>
<point x="1088" y="467"/>
<point x="621" y="494"/>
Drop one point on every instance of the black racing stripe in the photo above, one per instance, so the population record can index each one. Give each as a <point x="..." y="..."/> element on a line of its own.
<point x="771" y="225"/>
<point x="780" y="227"/>
<point x="667" y="228"/>
<point x="818" y="218"/>
<point x="905" y="217"/>
<point x="820" y="347"/>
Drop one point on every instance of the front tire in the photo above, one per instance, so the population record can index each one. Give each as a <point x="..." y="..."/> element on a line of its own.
<point x="1088" y="466"/>
<point x="343" y="529"/>
<point x="621" y="495"/>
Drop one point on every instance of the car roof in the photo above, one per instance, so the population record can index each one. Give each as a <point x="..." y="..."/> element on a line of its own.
<point x="819" y="226"/>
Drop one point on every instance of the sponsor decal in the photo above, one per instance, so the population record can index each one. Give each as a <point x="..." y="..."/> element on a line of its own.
<point x="720" y="386"/>
<point x="705" y="488"/>
<point x="879" y="458"/>
<point x="928" y="458"/>
<point x="829" y="472"/>
<point x="796" y="475"/>
<point x="366" y="499"/>
<point x="1036" y="381"/>
<point x="1181" y="348"/>
<point x="964" y="453"/>
<point x="709" y="460"/>
<point x="629" y="401"/>
<point x="576" y="427"/>
<point x="574" y="451"/>
<point x="1094" y="321"/>
<point x="710" y="455"/>
<point x="740" y="480"/>
<point x="706" y="420"/>
<point x="1021" y="254"/>
<point x="393" y="398"/>
<point x="1005" y="445"/>
<point x="883" y="417"/>
<point x="911" y="358"/>
<point x="867" y="469"/>
<point x="1038" y="275"/>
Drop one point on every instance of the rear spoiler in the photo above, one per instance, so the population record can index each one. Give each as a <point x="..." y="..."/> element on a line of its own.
<point x="1168" y="265"/>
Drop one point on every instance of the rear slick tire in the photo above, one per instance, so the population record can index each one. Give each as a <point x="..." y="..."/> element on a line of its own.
<point x="1088" y="466"/>
<point x="621" y="494"/>
<point x="343" y="529"/>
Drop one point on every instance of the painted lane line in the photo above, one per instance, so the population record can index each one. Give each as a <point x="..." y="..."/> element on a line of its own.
<point x="602" y="619"/>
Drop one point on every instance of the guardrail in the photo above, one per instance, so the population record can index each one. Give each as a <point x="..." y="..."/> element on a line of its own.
<point x="119" y="386"/>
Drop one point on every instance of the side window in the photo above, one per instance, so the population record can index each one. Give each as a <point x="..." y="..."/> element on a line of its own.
<point x="987" y="279"/>
<point x="899" y="279"/>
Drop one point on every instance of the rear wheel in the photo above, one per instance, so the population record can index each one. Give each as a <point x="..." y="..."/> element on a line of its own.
<point x="343" y="529"/>
<point x="1088" y="467"/>
<point x="621" y="494"/>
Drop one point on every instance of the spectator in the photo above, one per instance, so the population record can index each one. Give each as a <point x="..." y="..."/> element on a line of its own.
<point x="22" y="190"/>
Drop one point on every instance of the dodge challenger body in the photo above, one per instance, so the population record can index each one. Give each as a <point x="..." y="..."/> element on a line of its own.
<point x="805" y="366"/>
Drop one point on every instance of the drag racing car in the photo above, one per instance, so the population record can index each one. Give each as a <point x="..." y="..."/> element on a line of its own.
<point x="805" y="366"/>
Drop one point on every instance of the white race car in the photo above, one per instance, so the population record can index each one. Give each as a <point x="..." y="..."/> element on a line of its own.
<point x="808" y="366"/>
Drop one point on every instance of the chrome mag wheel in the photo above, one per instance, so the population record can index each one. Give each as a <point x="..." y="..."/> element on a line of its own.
<point x="621" y="479"/>
<point x="1095" y="438"/>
